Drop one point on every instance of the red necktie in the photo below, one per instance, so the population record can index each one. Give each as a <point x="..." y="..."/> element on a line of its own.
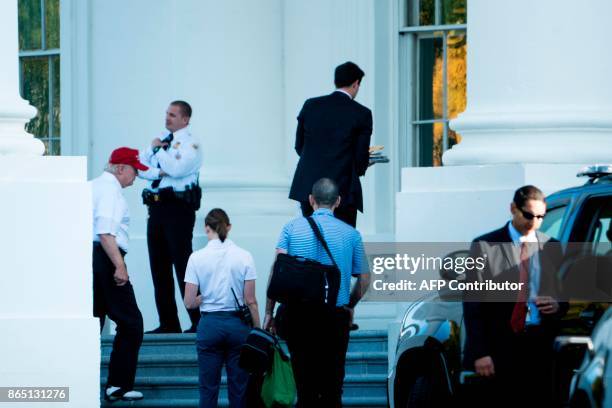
<point x="520" y="307"/>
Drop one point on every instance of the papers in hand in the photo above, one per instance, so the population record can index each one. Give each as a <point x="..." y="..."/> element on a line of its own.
<point x="376" y="155"/>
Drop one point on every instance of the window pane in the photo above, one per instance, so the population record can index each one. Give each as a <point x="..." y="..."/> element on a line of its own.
<point x="35" y="79"/>
<point x="425" y="148"/>
<point x="430" y="147"/>
<point x="438" y="147"/>
<point x="430" y="79"/>
<point x="426" y="12"/>
<point x="55" y="147"/>
<point x="454" y="12"/>
<point x="456" y="73"/>
<point x="551" y="225"/>
<point x="55" y="110"/>
<point x="29" y="24"/>
<point x="52" y="23"/>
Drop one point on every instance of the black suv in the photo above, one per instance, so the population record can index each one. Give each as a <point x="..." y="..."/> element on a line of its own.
<point x="427" y="368"/>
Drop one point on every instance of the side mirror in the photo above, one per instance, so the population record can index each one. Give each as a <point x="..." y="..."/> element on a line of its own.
<point x="574" y="343"/>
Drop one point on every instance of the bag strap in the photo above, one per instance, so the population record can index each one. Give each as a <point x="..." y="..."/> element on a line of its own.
<point x="319" y="236"/>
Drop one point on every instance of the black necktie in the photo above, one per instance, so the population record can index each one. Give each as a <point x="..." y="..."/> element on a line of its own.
<point x="167" y="140"/>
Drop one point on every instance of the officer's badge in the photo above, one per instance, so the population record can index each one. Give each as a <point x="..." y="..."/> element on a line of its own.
<point x="178" y="156"/>
<point x="195" y="146"/>
<point x="176" y="145"/>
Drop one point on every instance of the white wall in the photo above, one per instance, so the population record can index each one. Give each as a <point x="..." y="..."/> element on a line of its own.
<point x="246" y="68"/>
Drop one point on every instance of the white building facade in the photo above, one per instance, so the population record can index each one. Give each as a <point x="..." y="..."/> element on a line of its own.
<point x="537" y="109"/>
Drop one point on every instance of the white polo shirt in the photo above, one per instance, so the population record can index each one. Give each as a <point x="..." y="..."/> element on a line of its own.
<point x="110" y="209"/>
<point x="218" y="268"/>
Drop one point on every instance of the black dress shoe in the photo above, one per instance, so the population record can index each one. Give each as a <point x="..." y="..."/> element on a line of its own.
<point x="192" y="329"/>
<point x="163" y="330"/>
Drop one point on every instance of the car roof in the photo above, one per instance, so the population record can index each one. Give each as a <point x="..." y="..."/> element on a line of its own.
<point x="603" y="185"/>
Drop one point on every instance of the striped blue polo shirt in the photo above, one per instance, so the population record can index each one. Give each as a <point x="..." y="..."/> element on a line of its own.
<point x="344" y="242"/>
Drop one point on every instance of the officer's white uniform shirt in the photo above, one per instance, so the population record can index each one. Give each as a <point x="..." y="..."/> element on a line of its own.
<point x="216" y="269"/>
<point x="110" y="209"/>
<point x="181" y="161"/>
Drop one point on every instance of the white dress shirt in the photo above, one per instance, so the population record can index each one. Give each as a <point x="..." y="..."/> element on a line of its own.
<point x="533" y="314"/>
<point x="218" y="268"/>
<point x="110" y="209"/>
<point x="181" y="162"/>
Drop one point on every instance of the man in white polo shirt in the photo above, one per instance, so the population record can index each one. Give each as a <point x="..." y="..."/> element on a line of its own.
<point x="113" y="292"/>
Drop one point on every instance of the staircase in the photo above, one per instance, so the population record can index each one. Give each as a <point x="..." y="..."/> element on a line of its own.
<point x="167" y="372"/>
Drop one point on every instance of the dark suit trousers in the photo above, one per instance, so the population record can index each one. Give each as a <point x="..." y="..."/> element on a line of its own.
<point x="523" y="372"/>
<point x="347" y="214"/>
<point x="118" y="303"/>
<point x="169" y="236"/>
<point x="318" y="340"/>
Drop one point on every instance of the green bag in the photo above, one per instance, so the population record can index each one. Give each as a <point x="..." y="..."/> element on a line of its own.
<point x="278" y="388"/>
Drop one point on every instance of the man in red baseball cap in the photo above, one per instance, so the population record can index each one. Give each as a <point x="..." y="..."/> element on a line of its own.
<point x="125" y="156"/>
<point x="113" y="292"/>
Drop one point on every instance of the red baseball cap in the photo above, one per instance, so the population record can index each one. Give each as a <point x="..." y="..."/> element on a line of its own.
<point x="125" y="155"/>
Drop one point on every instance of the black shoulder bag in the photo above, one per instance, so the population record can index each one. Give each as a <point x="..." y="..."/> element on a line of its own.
<point x="299" y="280"/>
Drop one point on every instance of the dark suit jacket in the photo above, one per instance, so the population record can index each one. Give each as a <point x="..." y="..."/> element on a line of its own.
<point x="332" y="140"/>
<point x="487" y="320"/>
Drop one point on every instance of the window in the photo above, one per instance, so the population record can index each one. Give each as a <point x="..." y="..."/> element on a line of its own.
<point x="39" y="68"/>
<point x="551" y="225"/>
<point x="434" y="32"/>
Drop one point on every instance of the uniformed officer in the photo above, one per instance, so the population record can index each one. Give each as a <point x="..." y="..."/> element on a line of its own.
<point x="172" y="200"/>
<point x="113" y="292"/>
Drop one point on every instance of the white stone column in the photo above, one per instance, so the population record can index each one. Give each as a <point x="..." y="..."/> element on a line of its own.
<point x="539" y="88"/>
<point x="14" y="111"/>
<point x="50" y="338"/>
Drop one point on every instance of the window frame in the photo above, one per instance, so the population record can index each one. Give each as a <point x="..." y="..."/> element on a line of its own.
<point x="49" y="55"/>
<point x="410" y="66"/>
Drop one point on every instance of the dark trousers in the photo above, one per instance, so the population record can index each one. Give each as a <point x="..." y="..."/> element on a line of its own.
<point x="169" y="236"/>
<point x="523" y="373"/>
<point x="220" y="337"/>
<point x="318" y="339"/>
<point x="348" y="214"/>
<point x="118" y="303"/>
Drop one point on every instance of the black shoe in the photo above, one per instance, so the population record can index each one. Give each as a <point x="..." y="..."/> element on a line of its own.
<point x="192" y="329"/>
<point x="163" y="330"/>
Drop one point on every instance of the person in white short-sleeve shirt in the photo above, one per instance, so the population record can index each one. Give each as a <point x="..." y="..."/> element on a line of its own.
<point x="215" y="270"/>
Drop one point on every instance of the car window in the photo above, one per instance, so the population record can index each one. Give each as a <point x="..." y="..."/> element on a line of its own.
<point x="553" y="220"/>
<point x="602" y="231"/>
<point x="593" y="225"/>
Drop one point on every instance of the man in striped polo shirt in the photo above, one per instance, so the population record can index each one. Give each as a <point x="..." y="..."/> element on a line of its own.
<point x="318" y="336"/>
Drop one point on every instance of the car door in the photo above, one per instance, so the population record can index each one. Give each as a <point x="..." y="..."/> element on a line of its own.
<point x="589" y="242"/>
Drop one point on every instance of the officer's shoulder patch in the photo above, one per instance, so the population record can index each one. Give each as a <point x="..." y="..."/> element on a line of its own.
<point x="195" y="146"/>
<point x="177" y="145"/>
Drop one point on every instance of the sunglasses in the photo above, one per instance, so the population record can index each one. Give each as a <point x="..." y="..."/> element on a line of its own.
<point x="529" y="216"/>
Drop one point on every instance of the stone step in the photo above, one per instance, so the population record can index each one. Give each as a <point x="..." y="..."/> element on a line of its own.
<point x="150" y="365"/>
<point x="360" y="341"/>
<point x="370" y="402"/>
<point x="183" y="387"/>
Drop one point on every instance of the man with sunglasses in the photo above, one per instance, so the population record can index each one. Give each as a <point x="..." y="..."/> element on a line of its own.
<point x="509" y="336"/>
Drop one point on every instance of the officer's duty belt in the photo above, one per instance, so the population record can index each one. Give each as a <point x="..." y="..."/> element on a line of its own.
<point x="164" y="195"/>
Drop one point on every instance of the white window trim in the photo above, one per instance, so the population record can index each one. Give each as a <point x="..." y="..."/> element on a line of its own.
<point x="74" y="77"/>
